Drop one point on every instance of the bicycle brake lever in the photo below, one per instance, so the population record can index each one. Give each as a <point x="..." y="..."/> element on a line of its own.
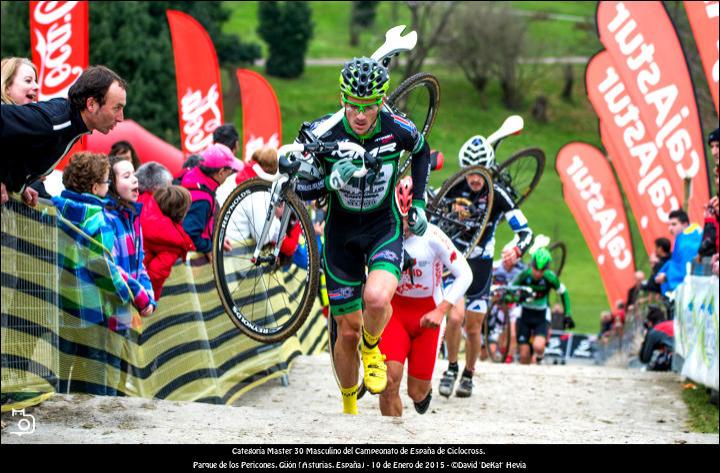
<point x="287" y="167"/>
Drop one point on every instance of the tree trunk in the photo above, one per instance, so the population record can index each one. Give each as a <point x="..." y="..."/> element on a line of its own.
<point x="569" y="77"/>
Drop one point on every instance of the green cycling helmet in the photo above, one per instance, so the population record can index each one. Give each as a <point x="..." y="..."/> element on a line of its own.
<point x="541" y="259"/>
<point x="364" y="78"/>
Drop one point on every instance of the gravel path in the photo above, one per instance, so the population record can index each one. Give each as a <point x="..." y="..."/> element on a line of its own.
<point x="510" y="404"/>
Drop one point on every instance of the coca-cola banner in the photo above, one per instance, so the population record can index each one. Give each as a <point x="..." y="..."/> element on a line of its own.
<point x="703" y="17"/>
<point x="594" y="199"/>
<point x="647" y="55"/>
<point x="261" y="113"/>
<point x="652" y="190"/>
<point x="59" y="42"/>
<point x="197" y="76"/>
<point x="59" y="39"/>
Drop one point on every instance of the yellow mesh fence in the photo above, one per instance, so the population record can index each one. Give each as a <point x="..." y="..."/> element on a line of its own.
<point x="187" y="350"/>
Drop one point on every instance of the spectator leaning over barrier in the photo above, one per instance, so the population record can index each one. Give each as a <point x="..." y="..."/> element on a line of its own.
<point x="217" y="164"/>
<point x="89" y="274"/>
<point x="165" y="238"/>
<point x="657" y="347"/>
<point x="19" y="86"/>
<point x="634" y="290"/>
<point x="687" y="241"/>
<point x="658" y="260"/>
<point x="125" y="150"/>
<point x="123" y="212"/>
<point x="39" y="134"/>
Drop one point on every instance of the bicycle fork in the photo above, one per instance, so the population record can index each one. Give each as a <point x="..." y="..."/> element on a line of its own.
<point x="275" y="197"/>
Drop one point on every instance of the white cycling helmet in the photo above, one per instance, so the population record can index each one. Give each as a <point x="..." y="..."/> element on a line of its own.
<point x="476" y="152"/>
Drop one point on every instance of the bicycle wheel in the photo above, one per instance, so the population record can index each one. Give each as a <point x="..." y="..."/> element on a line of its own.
<point x="459" y="227"/>
<point x="332" y="338"/>
<point x="558" y="250"/>
<point x="417" y="98"/>
<point x="268" y="300"/>
<point x="521" y="173"/>
<point x="502" y="341"/>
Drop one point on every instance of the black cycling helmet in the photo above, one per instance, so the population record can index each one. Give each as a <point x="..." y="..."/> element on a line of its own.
<point x="364" y="78"/>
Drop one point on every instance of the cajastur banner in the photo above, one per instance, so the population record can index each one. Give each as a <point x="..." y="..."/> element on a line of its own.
<point x="592" y="195"/>
<point x="197" y="75"/>
<point x="652" y="190"/>
<point x="648" y="58"/>
<point x="261" y="113"/>
<point x="703" y="18"/>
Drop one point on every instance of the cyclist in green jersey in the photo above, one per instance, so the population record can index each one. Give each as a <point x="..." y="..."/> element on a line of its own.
<point x="534" y="319"/>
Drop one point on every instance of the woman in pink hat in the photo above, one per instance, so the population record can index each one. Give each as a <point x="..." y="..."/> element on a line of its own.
<point x="217" y="164"/>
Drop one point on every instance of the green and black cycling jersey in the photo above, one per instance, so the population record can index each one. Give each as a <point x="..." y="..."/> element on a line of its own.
<point x="389" y="137"/>
<point x="363" y="226"/>
<point x="541" y="289"/>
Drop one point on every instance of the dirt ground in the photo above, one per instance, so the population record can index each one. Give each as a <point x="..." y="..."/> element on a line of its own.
<point x="510" y="404"/>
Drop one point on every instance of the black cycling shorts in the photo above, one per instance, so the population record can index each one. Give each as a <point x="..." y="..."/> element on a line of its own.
<point x="531" y="322"/>
<point x="351" y="244"/>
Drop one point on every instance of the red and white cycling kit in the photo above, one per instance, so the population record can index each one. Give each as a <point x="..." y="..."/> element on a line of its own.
<point x="403" y="338"/>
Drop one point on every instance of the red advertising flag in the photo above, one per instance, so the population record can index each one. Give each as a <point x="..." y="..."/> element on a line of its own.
<point x="649" y="59"/>
<point x="197" y="75"/>
<point x="703" y="17"/>
<point x="652" y="190"/>
<point x="60" y="46"/>
<point x="59" y="39"/>
<point x="594" y="199"/>
<point x="261" y="113"/>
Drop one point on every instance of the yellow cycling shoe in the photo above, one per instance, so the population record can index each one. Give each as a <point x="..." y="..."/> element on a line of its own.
<point x="375" y="376"/>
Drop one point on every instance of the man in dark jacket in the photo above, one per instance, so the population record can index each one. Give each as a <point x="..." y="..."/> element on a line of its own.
<point x="36" y="136"/>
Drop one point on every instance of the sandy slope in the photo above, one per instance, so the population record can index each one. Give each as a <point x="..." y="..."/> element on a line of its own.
<point x="511" y="404"/>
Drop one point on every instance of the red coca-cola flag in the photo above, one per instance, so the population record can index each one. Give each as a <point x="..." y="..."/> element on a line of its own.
<point x="261" y="113"/>
<point x="703" y="17"/>
<point x="649" y="59"/>
<point x="59" y="39"/>
<point x="594" y="199"/>
<point x="197" y="76"/>
<point x="652" y="190"/>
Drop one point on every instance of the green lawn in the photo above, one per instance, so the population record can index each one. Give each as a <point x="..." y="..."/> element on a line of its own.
<point x="331" y="35"/>
<point x="703" y="415"/>
<point x="459" y="117"/>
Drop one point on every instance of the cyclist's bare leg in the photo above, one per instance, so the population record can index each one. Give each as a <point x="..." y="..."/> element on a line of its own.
<point x="418" y="389"/>
<point x="378" y="293"/>
<point x="539" y="346"/>
<point x="390" y="403"/>
<point x="349" y="328"/>
<point x="525" y="354"/>
<point x="513" y="339"/>
<point x="453" y="331"/>
<point x="473" y="328"/>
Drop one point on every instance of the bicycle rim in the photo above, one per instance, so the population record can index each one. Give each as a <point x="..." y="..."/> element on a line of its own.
<point x="268" y="301"/>
<point x="521" y="173"/>
<point x="440" y="207"/>
<point x="417" y="98"/>
<point x="558" y="250"/>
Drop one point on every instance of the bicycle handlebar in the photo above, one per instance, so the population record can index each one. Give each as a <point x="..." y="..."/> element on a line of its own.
<point x="319" y="147"/>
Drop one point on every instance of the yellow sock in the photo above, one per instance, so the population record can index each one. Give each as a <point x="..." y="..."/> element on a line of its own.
<point x="370" y="341"/>
<point x="349" y="396"/>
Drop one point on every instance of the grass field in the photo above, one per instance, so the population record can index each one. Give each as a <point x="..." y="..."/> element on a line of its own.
<point x="331" y="34"/>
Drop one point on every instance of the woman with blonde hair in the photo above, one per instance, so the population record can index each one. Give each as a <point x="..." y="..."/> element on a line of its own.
<point x="19" y="86"/>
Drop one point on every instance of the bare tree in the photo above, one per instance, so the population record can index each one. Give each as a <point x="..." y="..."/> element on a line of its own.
<point x="487" y="42"/>
<point x="430" y="20"/>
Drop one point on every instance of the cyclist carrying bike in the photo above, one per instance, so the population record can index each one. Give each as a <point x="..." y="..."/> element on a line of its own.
<point x="534" y="318"/>
<point x="419" y="308"/>
<point x="472" y="195"/>
<point x="363" y="226"/>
